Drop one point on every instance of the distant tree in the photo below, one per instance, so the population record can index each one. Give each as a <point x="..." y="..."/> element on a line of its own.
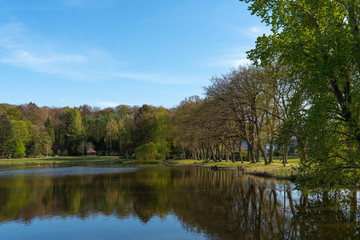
<point x="50" y="129"/>
<point x="85" y="147"/>
<point x="40" y="143"/>
<point x="5" y="135"/>
<point x="112" y="132"/>
<point x="20" y="137"/>
<point x="161" y="131"/>
<point x="146" y="152"/>
<point x="143" y="125"/>
<point x="74" y="129"/>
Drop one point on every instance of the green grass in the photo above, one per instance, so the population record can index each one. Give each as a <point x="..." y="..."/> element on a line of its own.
<point x="63" y="160"/>
<point x="292" y="160"/>
<point x="275" y="169"/>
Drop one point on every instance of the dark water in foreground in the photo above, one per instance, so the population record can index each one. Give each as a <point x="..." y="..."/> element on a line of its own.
<point x="165" y="203"/>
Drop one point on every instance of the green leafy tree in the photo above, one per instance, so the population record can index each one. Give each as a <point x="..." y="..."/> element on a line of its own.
<point x="112" y="132"/>
<point x="144" y="125"/>
<point x="319" y="42"/>
<point x="162" y="131"/>
<point x="146" y="152"/>
<point x="5" y="135"/>
<point x="40" y="142"/>
<point x="50" y="129"/>
<point x="20" y="137"/>
<point x="74" y="129"/>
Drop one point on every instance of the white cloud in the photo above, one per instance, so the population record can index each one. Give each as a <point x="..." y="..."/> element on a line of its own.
<point x="107" y="104"/>
<point x="21" y="48"/>
<point x="256" y="31"/>
<point x="231" y="58"/>
<point x="251" y="32"/>
<point x="160" y="78"/>
<point x="234" y="62"/>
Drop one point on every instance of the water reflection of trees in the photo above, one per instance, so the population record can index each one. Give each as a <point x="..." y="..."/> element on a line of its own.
<point x="223" y="205"/>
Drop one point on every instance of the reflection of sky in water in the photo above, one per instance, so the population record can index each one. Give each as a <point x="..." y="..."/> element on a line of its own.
<point x="63" y="171"/>
<point x="161" y="203"/>
<point x="99" y="227"/>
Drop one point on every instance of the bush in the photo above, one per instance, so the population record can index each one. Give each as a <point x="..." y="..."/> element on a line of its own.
<point x="244" y="155"/>
<point x="146" y="152"/>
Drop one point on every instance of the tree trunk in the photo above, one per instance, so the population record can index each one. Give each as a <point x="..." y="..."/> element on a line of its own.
<point x="240" y="151"/>
<point x="110" y="147"/>
<point x="263" y="153"/>
<point x="285" y="154"/>
<point x="213" y="157"/>
<point x="302" y="150"/>
<point x="120" y="144"/>
<point x="271" y="151"/>
<point x="353" y="205"/>
<point x="163" y="150"/>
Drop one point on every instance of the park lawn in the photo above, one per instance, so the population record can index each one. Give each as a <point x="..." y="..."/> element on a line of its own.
<point x="63" y="160"/>
<point x="292" y="160"/>
<point x="276" y="169"/>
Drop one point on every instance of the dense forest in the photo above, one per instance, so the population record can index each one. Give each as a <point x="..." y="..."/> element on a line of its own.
<point x="239" y="107"/>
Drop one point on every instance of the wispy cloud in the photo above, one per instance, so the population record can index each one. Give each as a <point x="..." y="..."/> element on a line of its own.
<point x="231" y="58"/>
<point x="107" y="104"/>
<point x="233" y="62"/>
<point x="251" y="32"/>
<point x="21" y="48"/>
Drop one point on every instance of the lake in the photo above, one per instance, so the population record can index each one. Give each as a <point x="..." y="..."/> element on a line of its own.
<point x="92" y="202"/>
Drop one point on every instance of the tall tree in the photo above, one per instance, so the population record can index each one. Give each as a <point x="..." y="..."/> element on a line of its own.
<point x="74" y="129"/>
<point x="112" y="132"/>
<point x="162" y="130"/>
<point x="5" y="134"/>
<point x="319" y="41"/>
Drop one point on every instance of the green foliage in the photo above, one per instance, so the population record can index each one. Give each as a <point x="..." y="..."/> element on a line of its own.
<point x="244" y="155"/>
<point x="318" y="42"/>
<point x="5" y="135"/>
<point x="50" y="129"/>
<point x="146" y="152"/>
<point x="74" y="129"/>
<point x="40" y="142"/>
<point x="112" y="132"/>
<point x="20" y="137"/>
<point x="162" y="132"/>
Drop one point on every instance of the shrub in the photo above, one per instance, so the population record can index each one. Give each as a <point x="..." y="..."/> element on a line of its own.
<point x="146" y="152"/>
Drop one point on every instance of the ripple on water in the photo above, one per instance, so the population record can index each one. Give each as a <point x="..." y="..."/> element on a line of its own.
<point x="62" y="171"/>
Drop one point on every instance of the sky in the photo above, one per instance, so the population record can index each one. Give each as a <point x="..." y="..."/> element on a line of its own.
<point x="104" y="53"/>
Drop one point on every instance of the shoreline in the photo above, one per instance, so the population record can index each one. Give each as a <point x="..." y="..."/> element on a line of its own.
<point x="274" y="170"/>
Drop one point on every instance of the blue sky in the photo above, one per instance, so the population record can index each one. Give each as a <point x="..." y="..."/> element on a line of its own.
<point x="110" y="52"/>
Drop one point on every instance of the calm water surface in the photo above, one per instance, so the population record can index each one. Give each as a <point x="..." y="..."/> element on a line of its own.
<point x="165" y="203"/>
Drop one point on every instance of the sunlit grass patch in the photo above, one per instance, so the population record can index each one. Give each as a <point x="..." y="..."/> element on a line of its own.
<point x="63" y="160"/>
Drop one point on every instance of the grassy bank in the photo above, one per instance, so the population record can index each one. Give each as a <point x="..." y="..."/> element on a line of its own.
<point x="276" y="169"/>
<point x="64" y="160"/>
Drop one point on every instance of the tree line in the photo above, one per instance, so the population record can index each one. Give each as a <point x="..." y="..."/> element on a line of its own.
<point x="239" y="119"/>
<point x="28" y="130"/>
<point x="304" y="85"/>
